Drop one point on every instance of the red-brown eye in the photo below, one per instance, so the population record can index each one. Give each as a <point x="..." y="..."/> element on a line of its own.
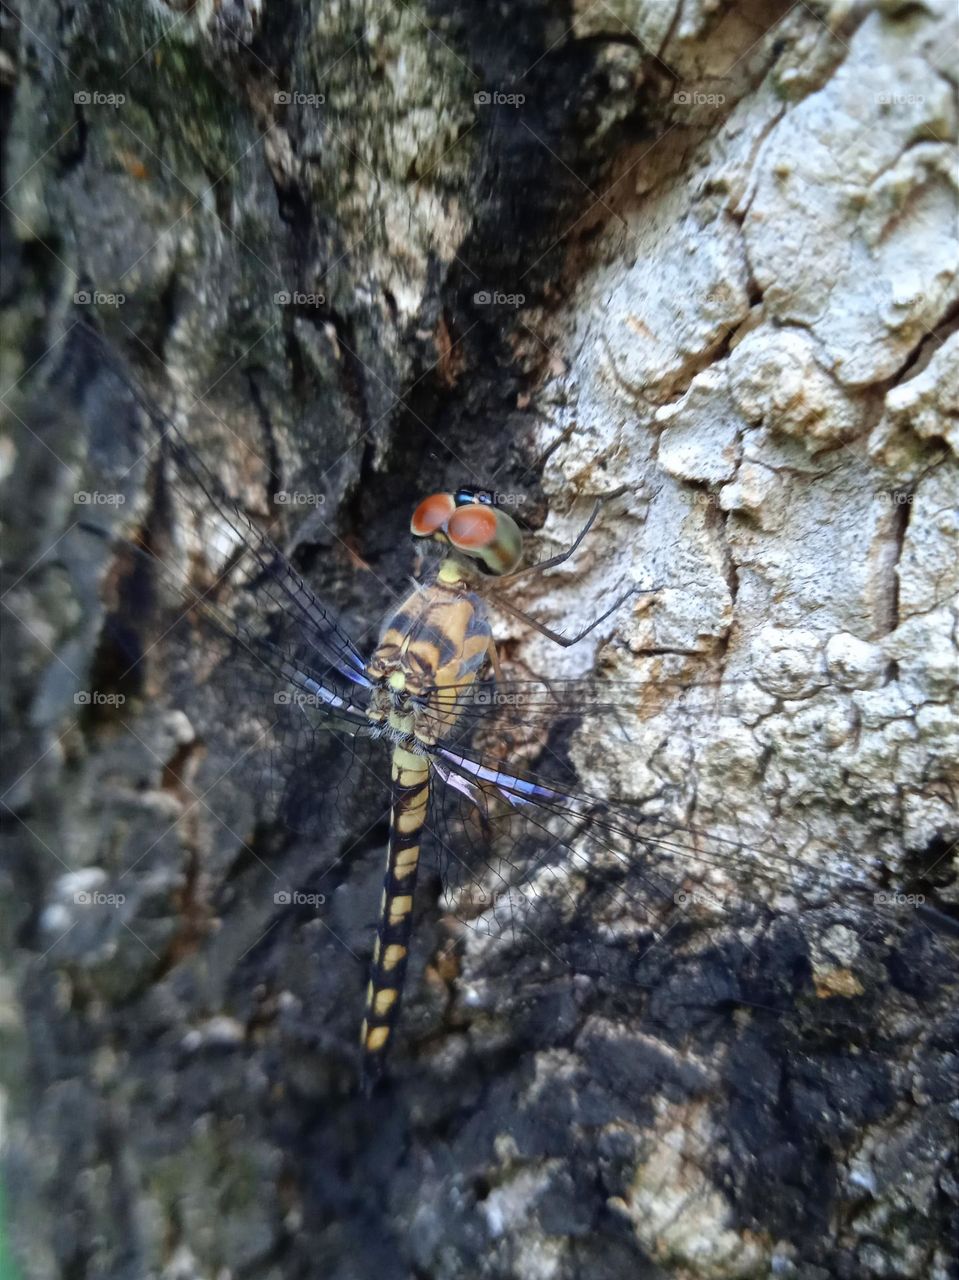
<point x="432" y="514"/>
<point x="472" y="528"/>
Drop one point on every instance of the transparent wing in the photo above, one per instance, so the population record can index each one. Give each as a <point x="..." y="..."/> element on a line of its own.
<point x="594" y="882"/>
<point x="242" y="557"/>
<point x="593" y="871"/>
<point x="203" y="603"/>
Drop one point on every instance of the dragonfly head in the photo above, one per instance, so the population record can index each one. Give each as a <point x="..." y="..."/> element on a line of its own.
<point x="472" y="525"/>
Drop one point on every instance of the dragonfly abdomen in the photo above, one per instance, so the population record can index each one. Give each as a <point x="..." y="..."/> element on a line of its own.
<point x="410" y="798"/>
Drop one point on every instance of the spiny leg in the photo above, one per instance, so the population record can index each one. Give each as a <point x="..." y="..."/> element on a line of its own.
<point x="494" y="661"/>
<point x="556" y="636"/>
<point x="563" y="556"/>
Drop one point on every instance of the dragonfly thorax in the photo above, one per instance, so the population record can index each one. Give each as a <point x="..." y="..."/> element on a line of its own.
<point x="429" y="655"/>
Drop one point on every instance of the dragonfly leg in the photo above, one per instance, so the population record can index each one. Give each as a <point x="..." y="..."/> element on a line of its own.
<point x="563" y="556"/>
<point x="556" y="636"/>
<point x="494" y="661"/>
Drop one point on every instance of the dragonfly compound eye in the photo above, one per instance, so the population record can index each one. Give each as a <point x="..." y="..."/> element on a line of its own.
<point x="431" y="516"/>
<point x="487" y="535"/>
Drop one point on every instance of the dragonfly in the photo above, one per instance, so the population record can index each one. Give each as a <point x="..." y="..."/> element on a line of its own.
<point x="482" y="767"/>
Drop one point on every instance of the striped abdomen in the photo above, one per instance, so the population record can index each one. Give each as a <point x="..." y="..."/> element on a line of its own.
<point x="411" y="782"/>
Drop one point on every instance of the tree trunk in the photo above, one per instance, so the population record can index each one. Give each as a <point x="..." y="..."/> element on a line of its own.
<point x="361" y="253"/>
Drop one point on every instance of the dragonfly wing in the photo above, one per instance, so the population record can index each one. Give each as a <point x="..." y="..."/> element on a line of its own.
<point x="653" y="948"/>
<point x="244" y="552"/>
<point x="595" y="882"/>
<point x="221" y="614"/>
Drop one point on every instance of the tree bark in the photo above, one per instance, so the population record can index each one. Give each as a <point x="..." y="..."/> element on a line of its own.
<point x="702" y="252"/>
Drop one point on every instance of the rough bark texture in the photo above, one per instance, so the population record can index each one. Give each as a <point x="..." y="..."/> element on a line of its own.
<point x="706" y="251"/>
